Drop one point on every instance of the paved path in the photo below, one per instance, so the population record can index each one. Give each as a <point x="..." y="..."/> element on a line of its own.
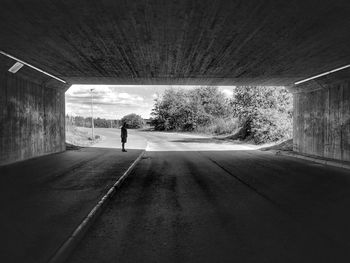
<point x="193" y="200"/>
<point x="111" y="139"/>
<point x="43" y="200"/>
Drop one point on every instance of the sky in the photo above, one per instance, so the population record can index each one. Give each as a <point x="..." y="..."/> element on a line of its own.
<point x="114" y="102"/>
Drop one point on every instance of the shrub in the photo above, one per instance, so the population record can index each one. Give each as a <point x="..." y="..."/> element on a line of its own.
<point x="133" y="121"/>
<point x="220" y="126"/>
<point x="265" y="112"/>
<point x="186" y="110"/>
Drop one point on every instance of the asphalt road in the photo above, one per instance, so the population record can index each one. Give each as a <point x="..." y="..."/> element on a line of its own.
<point x="111" y="139"/>
<point x="191" y="199"/>
<point x="44" y="199"/>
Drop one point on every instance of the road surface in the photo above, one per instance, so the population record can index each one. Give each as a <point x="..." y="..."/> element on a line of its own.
<point x="111" y="139"/>
<point x="44" y="199"/>
<point x="191" y="199"/>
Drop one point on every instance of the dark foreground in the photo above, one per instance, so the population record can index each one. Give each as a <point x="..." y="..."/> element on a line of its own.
<point x="43" y="200"/>
<point x="185" y="205"/>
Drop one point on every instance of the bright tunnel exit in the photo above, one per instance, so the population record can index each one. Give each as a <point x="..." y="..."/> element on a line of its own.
<point x="174" y="118"/>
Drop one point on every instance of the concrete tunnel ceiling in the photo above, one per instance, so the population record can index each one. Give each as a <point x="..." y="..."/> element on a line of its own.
<point x="204" y="42"/>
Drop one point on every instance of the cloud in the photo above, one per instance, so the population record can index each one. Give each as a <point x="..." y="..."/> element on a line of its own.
<point x="124" y="95"/>
<point x="109" y="101"/>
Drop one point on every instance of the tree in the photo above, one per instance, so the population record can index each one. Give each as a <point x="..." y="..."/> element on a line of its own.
<point x="212" y="101"/>
<point x="186" y="110"/>
<point x="265" y="113"/>
<point x="133" y="121"/>
<point x="171" y="111"/>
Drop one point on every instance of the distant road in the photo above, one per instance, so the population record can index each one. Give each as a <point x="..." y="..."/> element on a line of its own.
<point x="164" y="141"/>
<point x="191" y="199"/>
<point x="111" y="139"/>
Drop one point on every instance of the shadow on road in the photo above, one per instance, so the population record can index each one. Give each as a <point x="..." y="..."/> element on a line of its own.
<point x="248" y="195"/>
<point x="44" y="199"/>
<point x="224" y="206"/>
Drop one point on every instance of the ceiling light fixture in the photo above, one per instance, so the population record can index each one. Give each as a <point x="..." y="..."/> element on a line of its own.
<point x="322" y="74"/>
<point x="31" y="66"/>
<point x="17" y="66"/>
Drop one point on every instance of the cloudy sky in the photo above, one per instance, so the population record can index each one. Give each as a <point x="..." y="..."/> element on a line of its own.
<point x="114" y="102"/>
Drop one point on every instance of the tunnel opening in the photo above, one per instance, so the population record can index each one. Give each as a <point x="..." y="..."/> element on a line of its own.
<point x="222" y="114"/>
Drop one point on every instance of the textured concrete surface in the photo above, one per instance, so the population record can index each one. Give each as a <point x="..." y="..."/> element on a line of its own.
<point x="222" y="206"/>
<point x="32" y="119"/>
<point x="178" y="41"/>
<point x="322" y="117"/>
<point x="215" y="42"/>
<point x="44" y="199"/>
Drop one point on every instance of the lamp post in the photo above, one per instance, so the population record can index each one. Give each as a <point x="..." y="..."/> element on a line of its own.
<point x="92" y="114"/>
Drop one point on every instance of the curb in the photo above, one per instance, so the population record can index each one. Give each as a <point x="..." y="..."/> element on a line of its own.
<point x="315" y="160"/>
<point x="68" y="246"/>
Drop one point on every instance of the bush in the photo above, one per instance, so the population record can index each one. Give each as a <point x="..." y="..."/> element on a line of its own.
<point x="220" y="126"/>
<point x="133" y="121"/>
<point x="265" y="112"/>
<point x="187" y="110"/>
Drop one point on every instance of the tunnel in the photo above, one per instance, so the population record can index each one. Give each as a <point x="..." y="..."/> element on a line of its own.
<point x="173" y="197"/>
<point x="217" y="42"/>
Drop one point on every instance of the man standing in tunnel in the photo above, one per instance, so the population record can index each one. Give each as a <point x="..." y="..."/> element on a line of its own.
<point x="124" y="135"/>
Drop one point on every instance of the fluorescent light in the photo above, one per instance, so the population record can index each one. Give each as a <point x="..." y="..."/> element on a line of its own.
<point x="31" y="66"/>
<point x="322" y="74"/>
<point x="17" y="66"/>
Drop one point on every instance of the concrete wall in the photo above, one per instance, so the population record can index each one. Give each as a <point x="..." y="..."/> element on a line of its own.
<point x="32" y="112"/>
<point x="322" y="117"/>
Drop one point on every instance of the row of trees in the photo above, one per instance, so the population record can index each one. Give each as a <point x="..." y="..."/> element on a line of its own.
<point x="133" y="121"/>
<point x="80" y="121"/>
<point x="259" y="113"/>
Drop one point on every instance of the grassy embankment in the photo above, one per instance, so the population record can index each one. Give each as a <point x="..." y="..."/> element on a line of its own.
<point x="80" y="136"/>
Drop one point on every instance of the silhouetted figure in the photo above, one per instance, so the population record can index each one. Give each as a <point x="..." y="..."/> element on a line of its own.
<point x="124" y="135"/>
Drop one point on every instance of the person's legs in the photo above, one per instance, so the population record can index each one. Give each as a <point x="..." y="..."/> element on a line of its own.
<point x="123" y="147"/>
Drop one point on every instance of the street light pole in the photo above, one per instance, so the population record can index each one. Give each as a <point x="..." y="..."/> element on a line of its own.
<point x="92" y="115"/>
